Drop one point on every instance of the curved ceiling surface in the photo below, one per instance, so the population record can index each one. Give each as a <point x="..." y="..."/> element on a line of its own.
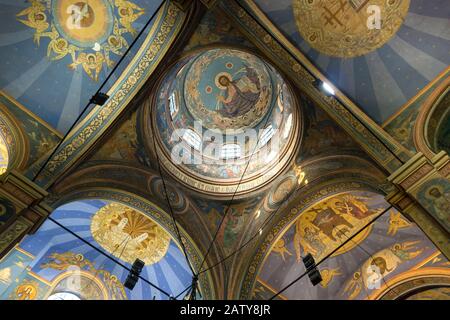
<point x="379" y="69"/>
<point x="391" y="243"/>
<point x="223" y="114"/>
<point x="55" y="54"/>
<point x="118" y="230"/>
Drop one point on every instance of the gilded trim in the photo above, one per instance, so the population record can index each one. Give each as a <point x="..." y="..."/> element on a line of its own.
<point x="133" y="78"/>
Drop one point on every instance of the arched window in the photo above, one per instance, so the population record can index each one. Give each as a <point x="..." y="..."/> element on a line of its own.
<point x="193" y="139"/>
<point x="230" y="151"/>
<point x="63" y="296"/>
<point x="266" y="135"/>
<point x="173" y="105"/>
<point x="287" y="126"/>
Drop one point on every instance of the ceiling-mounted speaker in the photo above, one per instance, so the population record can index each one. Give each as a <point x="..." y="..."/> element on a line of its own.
<point x="313" y="273"/>
<point x="315" y="277"/>
<point x="131" y="281"/>
<point x="133" y="276"/>
<point x="308" y="261"/>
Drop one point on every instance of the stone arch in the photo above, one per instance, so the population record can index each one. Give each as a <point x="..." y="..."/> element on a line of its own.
<point x="16" y="146"/>
<point x="431" y="119"/>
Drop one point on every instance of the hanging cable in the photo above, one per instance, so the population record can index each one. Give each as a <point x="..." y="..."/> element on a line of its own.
<point x="331" y="253"/>
<point x="172" y="215"/>
<point x="258" y="232"/>
<point x="69" y="131"/>
<point x="109" y="257"/>
<point x="244" y="8"/>
<point x="234" y="194"/>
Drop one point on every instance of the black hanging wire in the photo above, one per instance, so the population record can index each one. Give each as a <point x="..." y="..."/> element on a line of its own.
<point x="127" y="238"/>
<point x="166" y="196"/>
<point x="223" y="218"/>
<point x="108" y="256"/>
<point x="234" y="194"/>
<point x="331" y="253"/>
<point x="69" y="131"/>
<point x="336" y="97"/>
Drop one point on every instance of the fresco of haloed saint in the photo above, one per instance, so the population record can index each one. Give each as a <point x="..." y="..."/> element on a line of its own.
<point x="384" y="251"/>
<point x="228" y="89"/>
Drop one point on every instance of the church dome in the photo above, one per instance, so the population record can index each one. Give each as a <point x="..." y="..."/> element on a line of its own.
<point x="223" y="118"/>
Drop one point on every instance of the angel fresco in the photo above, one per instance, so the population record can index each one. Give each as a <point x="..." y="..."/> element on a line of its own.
<point x="91" y="63"/>
<point x="37" y="19"/>
<point x="331" y="222"/>
<point x="240" y="94"/>
<point x="129" y="13"/>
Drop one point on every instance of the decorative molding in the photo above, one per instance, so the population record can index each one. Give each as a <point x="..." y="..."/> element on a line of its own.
<point x="443" y="74"/>
<point x="167" y="25"/>
<point x="13" y="234"/>
<point x="288" y="216"/>
<point x="436" y="104"/>
<point x="372" y="138"/>
<point x="406" y="284"/>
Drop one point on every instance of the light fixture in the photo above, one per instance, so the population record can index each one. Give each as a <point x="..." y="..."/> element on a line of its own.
<point x="324" y="87"/>
<point x="328" y="88"/>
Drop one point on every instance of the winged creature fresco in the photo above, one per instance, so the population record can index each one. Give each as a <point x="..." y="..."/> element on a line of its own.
<point x="280" y="248"/>
<point x="36" y="18"/>
<point x="328" y="275"/>
<point x="396" y="222"/>
<point x="41" y="17"/>
<point x="329" y="223"/>
<point x="374" y="271"/>
<point x="128" y="12"/>
<point x="63" y="261"/>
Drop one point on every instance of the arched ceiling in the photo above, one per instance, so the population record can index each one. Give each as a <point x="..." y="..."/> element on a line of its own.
<point x="52" y="61"/>
<point x="397" y="247"/>
<point x="379" y="71"/>
<point x="120" y="231"/>
<point x="223" y="114"/>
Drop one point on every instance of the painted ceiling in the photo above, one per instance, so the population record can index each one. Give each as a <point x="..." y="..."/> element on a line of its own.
<point x="120" y="231"/>
<point x="219" y="95"/>
<point x="397" y="247"/>
<point x="55" y="54"/>
<point x="379" y="70"/>
<point x="3" y="155"/>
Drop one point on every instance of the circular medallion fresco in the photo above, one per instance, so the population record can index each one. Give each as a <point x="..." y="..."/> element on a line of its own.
<point x="88" y="32"/>
<point x="83" y="23"/>
<point x="341" y="27"/>
<point x="228" y="89"/>
<point x="128" y="234"/>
